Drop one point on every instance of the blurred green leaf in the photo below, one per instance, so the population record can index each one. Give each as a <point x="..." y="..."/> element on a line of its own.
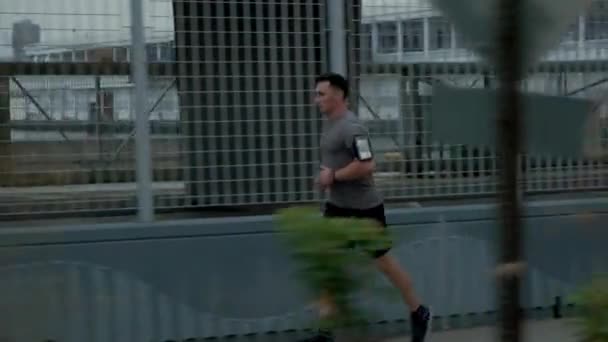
<point x="332" y="254"/>
<point x="593" y="318"/>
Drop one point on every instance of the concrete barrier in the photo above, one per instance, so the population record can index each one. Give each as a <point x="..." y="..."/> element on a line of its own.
<point x="232" y="276"/>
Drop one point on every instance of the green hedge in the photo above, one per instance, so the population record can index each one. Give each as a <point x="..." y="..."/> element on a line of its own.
<point x="331" y="255"/>
<point x="593" y="314"/>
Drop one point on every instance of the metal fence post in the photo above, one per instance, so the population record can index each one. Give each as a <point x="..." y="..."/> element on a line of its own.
<point x="337" y="36"/>
<point x="142" y="127"/>
<point x="509" y="132"/>
<point x="336" y="47"/>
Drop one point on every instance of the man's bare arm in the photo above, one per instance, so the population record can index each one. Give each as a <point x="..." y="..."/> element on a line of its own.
<point x="355" y="170"/>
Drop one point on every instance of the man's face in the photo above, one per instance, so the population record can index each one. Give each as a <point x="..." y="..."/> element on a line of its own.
<point x="327" y="98"/>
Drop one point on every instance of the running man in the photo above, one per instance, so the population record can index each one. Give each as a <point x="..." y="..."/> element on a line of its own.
<point x="347" y="166"/>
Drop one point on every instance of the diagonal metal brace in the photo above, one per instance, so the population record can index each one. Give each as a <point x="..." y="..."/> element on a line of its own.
<point x="38" y="106"/>
<point x="132" y="133"/>
<point x="375" y="115"/>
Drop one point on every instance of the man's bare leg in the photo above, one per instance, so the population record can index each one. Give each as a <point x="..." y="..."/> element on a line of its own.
<point x="389" y="266"/>
<point x="326" y="305"/>
<point x="420" y="316"/>
<point x="399" y="278"/>
<point x="326" y="308"/>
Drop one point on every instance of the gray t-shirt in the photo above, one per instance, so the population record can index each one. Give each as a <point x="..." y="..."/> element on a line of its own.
<point x="337" y="151"/>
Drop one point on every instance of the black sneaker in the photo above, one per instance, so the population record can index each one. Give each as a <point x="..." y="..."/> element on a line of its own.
<point x="420" y="321"/>
<point x="321" y="336"/>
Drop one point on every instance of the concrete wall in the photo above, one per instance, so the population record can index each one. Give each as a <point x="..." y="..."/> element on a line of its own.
<point x="216" y="277"/>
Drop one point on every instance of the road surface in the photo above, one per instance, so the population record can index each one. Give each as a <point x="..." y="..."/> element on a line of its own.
<point x="535" y="331"/>
<point x="563" y="330"/>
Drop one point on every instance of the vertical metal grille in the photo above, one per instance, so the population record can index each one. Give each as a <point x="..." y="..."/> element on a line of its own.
<point x="246" y="71"/>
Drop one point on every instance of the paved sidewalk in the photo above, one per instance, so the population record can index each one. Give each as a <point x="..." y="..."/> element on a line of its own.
<point x="535" y="331"/>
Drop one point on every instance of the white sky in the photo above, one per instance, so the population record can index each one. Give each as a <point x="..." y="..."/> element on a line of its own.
<point x="68" y="22"/>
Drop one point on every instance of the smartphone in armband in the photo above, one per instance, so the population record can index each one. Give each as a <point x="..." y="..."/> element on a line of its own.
<point x="363" y="148"/>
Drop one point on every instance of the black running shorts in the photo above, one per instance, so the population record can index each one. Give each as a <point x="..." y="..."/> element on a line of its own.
<point x="375" y="213"/>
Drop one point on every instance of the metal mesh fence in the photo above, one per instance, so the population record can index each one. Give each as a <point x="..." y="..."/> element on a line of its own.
<point x="230" y="102"/>
<point x="407" y="48"/>
<point x="68" y="106"/>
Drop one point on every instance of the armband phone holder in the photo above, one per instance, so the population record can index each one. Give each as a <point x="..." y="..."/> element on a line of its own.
<point x="363" y="148"/>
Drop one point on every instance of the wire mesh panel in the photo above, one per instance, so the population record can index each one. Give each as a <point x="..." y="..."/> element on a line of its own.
<point x="245" y="77"/>
<point x="408" y="48"/>
<point x="66" y="97"/>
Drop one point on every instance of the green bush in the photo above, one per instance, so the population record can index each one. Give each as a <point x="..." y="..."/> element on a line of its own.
<point x="332" y="256"/>
<point x="593" y="314"/>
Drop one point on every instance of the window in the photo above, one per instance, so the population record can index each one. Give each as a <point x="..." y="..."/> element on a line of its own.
<point x="82" y="99"/>
<point x="121" y="54"/>
<point x="167" y="52"/>
<point x="571" y="34"/>
<point x="366" y="42"/>
<point x="387" y="37"/>
<point x="70" y="104"/>
<point x="79" y="56"/>
<point x="413" y="35"/>
<point x="596" y="25"/>
<point x="462" y="41"/>
<point x="30" y="109"/>
<point x="440" y="33"/>
<point x="168" y="106"/>
<point x="152" y="52"/>
<point x="66" y="56"/>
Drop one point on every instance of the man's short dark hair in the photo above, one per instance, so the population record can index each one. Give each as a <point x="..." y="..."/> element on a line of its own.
<point x="335" y="80"/>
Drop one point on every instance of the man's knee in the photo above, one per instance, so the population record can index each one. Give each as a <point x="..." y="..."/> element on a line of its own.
<point x="326" y="304"/>
<point x="386" y="263"/>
